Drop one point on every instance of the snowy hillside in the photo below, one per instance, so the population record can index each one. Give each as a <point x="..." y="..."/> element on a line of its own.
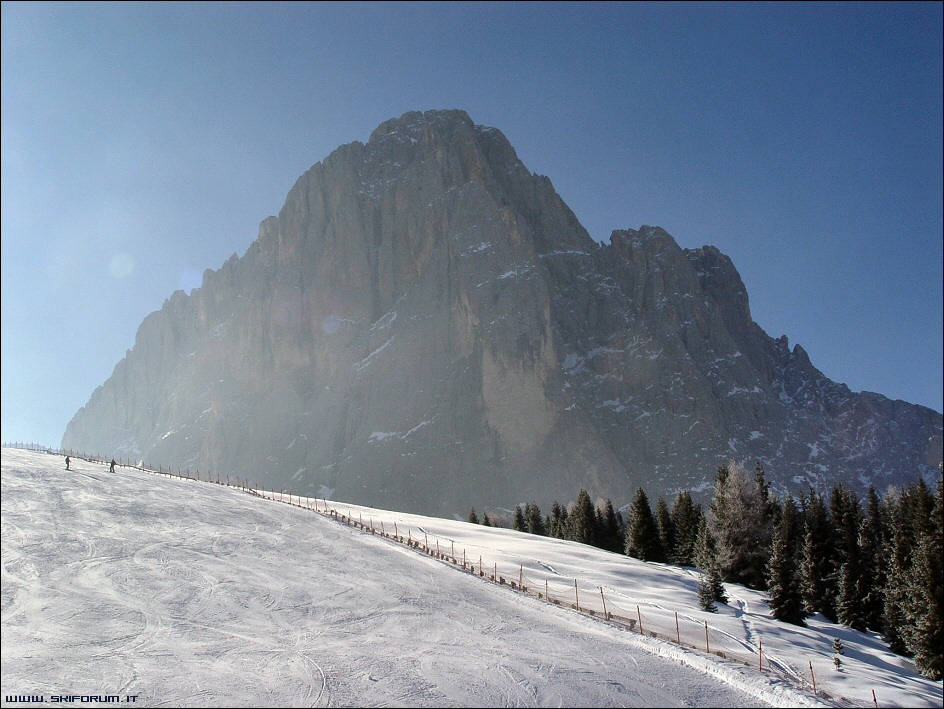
<point x="184" y="593"/>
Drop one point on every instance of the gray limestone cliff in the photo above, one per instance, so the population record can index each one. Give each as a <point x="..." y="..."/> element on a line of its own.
<point x="426" y="326"/>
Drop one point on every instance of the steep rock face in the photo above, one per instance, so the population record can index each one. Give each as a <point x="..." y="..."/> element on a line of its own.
<point x="426" y="326"/>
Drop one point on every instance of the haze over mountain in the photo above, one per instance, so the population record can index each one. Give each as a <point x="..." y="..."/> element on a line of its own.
<point x="426" y="326"/>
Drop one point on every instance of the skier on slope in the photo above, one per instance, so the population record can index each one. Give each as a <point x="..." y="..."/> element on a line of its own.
<point x="112" y="468"/>
<point x="67" y="462"/>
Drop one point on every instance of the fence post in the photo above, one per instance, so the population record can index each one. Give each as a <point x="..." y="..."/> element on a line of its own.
<point x="678" y="635"/>
<point x="874" y="700"/>
<point x="546" y="595"/>
<point x="813" y="677"/>
<point x="520" y="576"/>
<point x="605" y="614"/>
<point x="707" y="648"/>
<point x="760" y="657"/>
<point x="576" y="596"/>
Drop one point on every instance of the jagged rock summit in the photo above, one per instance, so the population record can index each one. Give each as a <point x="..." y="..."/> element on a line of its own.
<point x="426" y="326"/>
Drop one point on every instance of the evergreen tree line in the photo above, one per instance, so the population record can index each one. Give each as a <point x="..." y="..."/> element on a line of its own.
<point x="871" y="565"/>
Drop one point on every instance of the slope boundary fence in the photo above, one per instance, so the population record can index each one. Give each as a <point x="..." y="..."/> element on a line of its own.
<point x="679" y="627"/>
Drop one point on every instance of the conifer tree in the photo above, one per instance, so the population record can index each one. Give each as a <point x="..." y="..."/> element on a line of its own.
<point x="924" y="632"/>
<point x="908" y="512"/>
<point x="740" y="521"/>
<point x="847" y="517"/>
<point x="868" y="592"/>
<point x="786" y="600"/>
<point x="665" y="528"/>
<point x="473" y="518"/>
<point x="581" y="521"/>
<point x="817" y="583"/>
<point x="518" y="523"/>
<point x="686" y="517"/>
<point x="710" y="587"/>
<point x="533" y="521"/>
<point x="610" y="525"/>
<point x="642" y="535"/>
<point x="558" y="525"/>
<point x="873" y="549"/>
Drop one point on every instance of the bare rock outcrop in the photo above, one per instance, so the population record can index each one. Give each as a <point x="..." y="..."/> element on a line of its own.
<point x="426" y="326"/>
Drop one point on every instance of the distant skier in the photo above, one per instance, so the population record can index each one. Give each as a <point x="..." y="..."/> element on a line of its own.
<point x="67" y="462"/>
<point x="112" y="468"/>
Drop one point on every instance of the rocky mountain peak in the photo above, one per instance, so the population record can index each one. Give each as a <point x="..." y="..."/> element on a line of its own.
<point x="427" y="326"/>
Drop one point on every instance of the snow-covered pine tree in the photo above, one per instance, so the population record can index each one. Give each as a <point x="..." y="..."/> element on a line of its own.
<point x="740" y="521"/>
<point x="473" y="518"/>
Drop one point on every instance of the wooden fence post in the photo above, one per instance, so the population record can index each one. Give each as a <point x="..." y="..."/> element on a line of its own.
<point x="760" y="657"/>
<point x="678" y="635"/>
<point x="813" y="678"/>
<point x="707" y="648"/>
<point x="605" y="614"/>
<point x="576" y="596"/>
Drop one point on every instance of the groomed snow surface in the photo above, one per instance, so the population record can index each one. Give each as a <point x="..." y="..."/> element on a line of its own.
<point x="139" y="588"/>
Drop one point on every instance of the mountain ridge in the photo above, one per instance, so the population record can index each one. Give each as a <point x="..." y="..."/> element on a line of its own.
<point x="426" y="321"/>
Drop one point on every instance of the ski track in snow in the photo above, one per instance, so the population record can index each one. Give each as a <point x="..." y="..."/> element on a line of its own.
<point x="190" y="594"/>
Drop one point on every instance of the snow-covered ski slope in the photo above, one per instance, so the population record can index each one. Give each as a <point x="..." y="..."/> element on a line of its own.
<point x="137" y="587"/>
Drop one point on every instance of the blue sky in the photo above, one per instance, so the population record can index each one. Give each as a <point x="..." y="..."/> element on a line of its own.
<point x="144" y="143"/>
